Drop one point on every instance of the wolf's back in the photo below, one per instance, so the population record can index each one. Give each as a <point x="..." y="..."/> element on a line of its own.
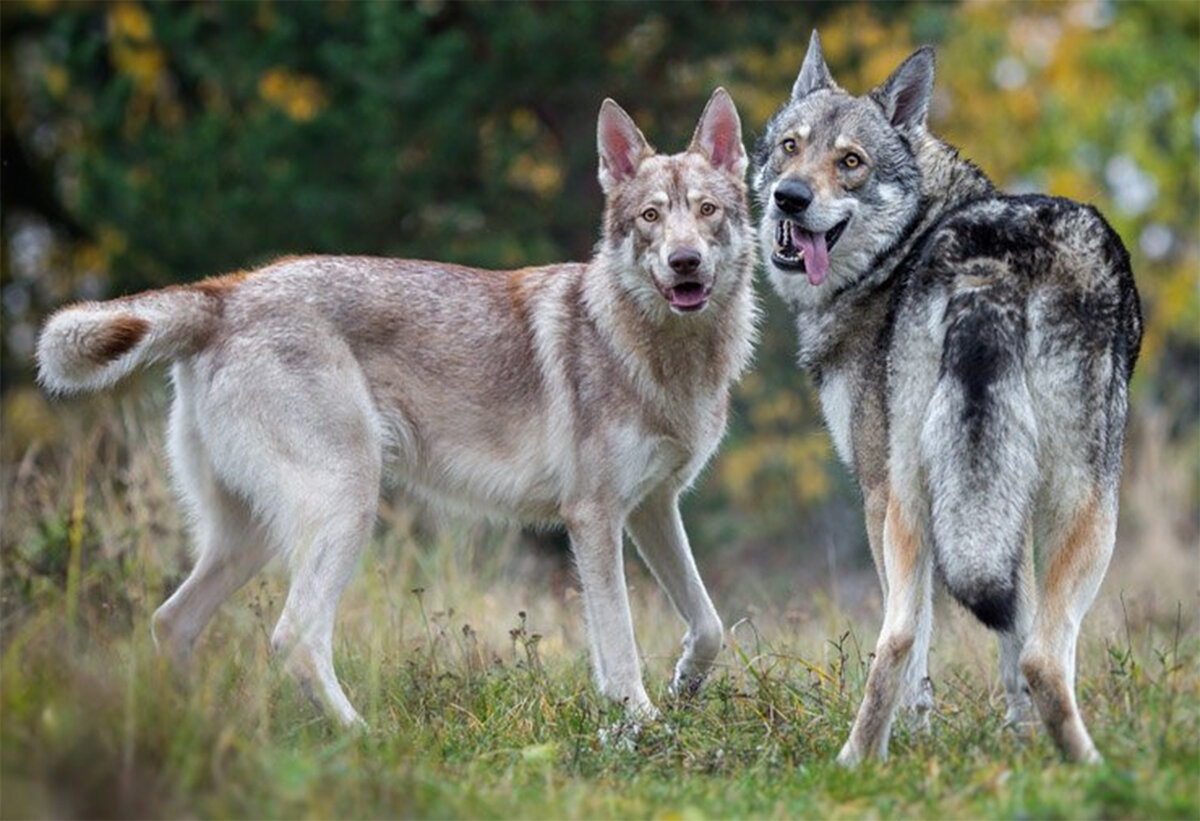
<point x="91" y="345"/>
<point x="1042" y="327"/>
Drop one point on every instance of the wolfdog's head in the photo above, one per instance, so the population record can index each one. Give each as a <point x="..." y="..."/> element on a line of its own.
<point x="837" y="176"/>
<point x="677" y="228"/>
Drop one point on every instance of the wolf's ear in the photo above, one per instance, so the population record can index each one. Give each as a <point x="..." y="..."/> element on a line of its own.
<point x="904" y="97"/>
<point x="814" y="74"/>
<point x="622" y="146"/>
<point x="719" y="135"/>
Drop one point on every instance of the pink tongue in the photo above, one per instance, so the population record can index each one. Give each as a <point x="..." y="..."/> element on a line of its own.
<point x="816" y="255"/>
<point x="687" y="297"/>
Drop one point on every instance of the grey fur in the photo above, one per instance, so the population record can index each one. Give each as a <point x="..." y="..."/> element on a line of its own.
<point x="972" y="351"/>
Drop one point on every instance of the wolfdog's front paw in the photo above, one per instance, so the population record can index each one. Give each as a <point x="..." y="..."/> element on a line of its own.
<point x="622" y="735"/>
<point x="850" y="756"/>
<point x="686" y="685"/>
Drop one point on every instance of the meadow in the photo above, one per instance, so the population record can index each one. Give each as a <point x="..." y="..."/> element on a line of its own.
<point x="466" y="653"/>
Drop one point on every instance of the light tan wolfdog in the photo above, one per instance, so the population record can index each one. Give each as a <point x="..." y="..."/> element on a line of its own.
<point x="588" y="394"/>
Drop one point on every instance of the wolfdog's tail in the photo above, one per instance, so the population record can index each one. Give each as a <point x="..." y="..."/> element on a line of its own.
<point x="979" y="450"/>
<point x="91" y="345"/>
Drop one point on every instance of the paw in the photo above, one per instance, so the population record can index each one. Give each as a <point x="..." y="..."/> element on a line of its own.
<point x="621" y="736"/>
<point x="850" y="756"/>
<point x="918" y="712"/>
<point x="1021" y="717"/>
<point x="686" y="685"/>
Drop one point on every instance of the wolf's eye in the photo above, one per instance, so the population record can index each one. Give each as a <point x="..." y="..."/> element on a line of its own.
<point x="650" y="214"/>
<point x="851" y="161"/>
<point x="789" y="146"/>
<point x="707" y="209"/>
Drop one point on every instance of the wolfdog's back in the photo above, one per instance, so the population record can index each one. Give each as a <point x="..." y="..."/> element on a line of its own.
<point x="444" y="358"/>
<point x="1025" y="423"/>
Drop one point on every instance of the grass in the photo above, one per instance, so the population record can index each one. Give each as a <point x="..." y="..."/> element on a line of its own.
<point x="471" y="671"/>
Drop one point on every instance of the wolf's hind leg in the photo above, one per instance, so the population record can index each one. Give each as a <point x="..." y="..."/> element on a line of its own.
<point x="657" y="530"/>
<point x="909" y="567"/>
<point x="1077" y="549"/>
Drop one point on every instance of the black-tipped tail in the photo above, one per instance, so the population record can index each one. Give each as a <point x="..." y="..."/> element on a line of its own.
<point x="979" y="450"/>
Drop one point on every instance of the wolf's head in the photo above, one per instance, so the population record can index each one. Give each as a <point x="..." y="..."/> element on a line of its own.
<point x="677" y="229"/>
<point x="837" y="176"/>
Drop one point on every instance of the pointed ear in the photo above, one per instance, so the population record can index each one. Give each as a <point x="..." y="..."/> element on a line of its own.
<point x="622" y="146"/>
<point x="719" y="135"/>
<point x="904" y="97"/>
<point x="814" y="74"/>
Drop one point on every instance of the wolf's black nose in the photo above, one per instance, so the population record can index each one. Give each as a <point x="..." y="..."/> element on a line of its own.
<point x="684" y="261"/>
<point x="793" y="196"/>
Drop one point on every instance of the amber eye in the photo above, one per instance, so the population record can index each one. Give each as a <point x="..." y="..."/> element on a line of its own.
<point x="707" y="209"/>
<point x="851" y="161"/>
<point x="789" y="146"/>
<point x="650" y="214"/>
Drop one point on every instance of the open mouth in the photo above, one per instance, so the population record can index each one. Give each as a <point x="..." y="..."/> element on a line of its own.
<point x="687" y="296"/>
<point x="800" y="250"/>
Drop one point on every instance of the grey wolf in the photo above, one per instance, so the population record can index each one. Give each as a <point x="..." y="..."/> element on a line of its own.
<point x="584" y="394"/>
<point x="972" y="352"/>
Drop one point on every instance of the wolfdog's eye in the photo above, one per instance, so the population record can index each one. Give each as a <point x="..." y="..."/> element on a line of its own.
<point x="707" y="209"/>
<point x="851" y="161"/>
<point x="789" y="146"/>
<point x="650" y="214"/>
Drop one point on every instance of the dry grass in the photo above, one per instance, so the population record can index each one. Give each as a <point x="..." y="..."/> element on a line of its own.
<point x="476" y="685"/>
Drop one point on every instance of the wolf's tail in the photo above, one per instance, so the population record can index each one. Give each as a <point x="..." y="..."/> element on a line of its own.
<point x="91" y="345"/>
<point x="979" y="450"/>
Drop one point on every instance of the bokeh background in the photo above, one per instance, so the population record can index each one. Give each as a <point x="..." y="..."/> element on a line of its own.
<point x="145" y="144"/>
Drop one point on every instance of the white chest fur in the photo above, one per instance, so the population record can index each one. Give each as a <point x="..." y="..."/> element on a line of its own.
<point x="837" y="404"/>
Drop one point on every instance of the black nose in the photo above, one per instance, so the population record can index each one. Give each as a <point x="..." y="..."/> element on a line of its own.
<point x="793" y="196"/>
<point x="684" y="261"/>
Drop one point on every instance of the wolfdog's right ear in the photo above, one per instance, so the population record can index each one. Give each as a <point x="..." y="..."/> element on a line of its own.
<point x="622" y="146"/>
<point x="814" y="74"/>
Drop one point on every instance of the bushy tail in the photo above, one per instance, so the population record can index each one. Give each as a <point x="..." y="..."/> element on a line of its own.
<point x="91" y="345"/>
<point x="979" y="450"/>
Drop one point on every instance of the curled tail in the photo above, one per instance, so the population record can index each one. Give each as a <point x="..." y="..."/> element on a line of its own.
<point x="91" y="345"/>
<point x="979" y="449"/>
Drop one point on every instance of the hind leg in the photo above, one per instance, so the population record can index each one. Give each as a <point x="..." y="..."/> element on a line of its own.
<point x="917" y="695"/>
<point x="1020" y="711"/>
<point x="305" y="447"/>
<point x="338" y="517"/>
<point x="909" y="567"/>
<point x="1078" y="545"/>
<point x="230" y="547"/>
<point x="231" y="551"/>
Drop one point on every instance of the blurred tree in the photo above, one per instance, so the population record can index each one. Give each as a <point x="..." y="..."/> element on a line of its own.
<point x="149" y="143"/>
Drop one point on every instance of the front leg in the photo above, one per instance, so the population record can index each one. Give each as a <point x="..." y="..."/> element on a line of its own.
<point x="595" y="531"/>
<point x="657" y="530"/>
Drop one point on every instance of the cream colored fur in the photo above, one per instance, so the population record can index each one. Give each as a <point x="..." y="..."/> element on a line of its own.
<point x="584" y="394"/>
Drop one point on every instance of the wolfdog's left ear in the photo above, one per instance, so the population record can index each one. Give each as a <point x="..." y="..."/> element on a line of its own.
<point x="814" y="73"/>
<point x="719" y="135"/>
<point x="904" y="97"/>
